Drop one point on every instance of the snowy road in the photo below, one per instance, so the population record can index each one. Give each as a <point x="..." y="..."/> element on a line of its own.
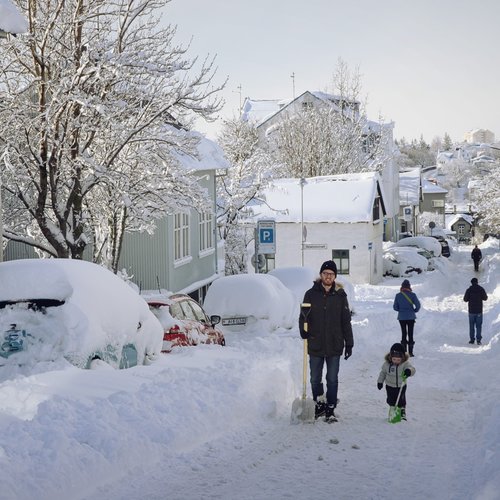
<point x="214" y="423"/>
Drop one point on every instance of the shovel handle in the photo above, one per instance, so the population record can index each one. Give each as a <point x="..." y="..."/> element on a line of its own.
<point x="304" y="375"/>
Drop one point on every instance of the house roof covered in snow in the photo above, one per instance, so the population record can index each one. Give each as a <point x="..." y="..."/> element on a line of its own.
<point x="453" y="220"/>
<point x="409" y="187"/>
<point x="209" y="155"/>
<point x="260" y="111"/>
<point x="430" y="187"/>
<point x="335" y="198"/>
<point x="11" y="20"/>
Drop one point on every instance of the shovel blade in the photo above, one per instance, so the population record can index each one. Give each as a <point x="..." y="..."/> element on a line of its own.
<point x="394" y="414"/>
<point x="303" y="410"/>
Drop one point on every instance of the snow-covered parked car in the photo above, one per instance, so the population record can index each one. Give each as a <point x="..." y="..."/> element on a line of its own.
<point x="184" y="322"/>
<point x="300" y="279"/>
<point x="426" y="242"/>
<point x="64" y="309"/>
<point x="252" y="303"/>
<point x="404" y="261"/>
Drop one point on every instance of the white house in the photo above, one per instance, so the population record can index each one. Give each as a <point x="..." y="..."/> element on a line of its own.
<point x="337" y="217"/>
<point x="265" y="115"/>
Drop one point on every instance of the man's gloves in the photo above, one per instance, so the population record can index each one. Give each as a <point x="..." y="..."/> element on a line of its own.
<point x="304" y="334"/>
<point x="407" y="372"/>
<point x="347" y="352"/>
<point x="380" y="385"/>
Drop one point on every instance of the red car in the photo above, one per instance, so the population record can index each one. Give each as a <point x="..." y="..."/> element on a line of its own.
<point x="184" y="322"/>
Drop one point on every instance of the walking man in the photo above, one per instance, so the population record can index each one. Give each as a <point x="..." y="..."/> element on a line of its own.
<point x="475" y="295"/>
<point x="329" y="335"/>
<point x="476" y="256"/>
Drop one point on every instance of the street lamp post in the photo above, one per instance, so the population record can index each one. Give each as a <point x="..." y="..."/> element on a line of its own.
<point x="302" y="184"/>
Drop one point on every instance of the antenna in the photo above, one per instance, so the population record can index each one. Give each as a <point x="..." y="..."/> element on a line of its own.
<point x="239" y="92"/>
<point x="292" y="76"/>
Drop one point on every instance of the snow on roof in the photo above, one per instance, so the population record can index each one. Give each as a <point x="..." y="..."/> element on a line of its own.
<point x="409" y="187"/>
<point x="452" y="220"/>
<point x="209" y="155"/>
<point x="258" y="111"/>
<point x="430" y="187"/>
<point x="11" y="21"/>
<point x="344" y="198"/>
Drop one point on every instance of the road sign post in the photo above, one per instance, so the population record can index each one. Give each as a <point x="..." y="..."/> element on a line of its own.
<point x="266" y="236"/>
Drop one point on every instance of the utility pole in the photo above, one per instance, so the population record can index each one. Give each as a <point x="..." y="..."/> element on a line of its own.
<point x="292" y="76"/>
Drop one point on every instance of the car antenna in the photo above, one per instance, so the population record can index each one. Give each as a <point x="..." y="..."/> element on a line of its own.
<point x="158" y="283"/>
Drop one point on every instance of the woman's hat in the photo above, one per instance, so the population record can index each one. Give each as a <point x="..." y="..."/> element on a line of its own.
<point x="405" y="284"/>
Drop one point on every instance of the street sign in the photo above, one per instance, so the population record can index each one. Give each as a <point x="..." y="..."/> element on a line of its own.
<point x="316" y="245"/>
<point x="370" y="245"/>
<point x="266" y="236"/>
<point x="407" y="214"/>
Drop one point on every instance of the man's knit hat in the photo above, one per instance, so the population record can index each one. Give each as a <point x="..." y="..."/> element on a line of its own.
<point x="328" y="265"/>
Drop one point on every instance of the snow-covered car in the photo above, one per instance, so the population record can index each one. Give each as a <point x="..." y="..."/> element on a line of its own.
<point x="426" y="242"/>
<point x="405" y="261"/>
<point x="300" y="279"/>
<point x="252" y="303"/>
<point x="184" y="322"/>
<point x="55" y="309"/>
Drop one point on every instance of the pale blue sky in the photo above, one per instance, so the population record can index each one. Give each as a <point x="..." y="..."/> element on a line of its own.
<point x="431" y="66"/>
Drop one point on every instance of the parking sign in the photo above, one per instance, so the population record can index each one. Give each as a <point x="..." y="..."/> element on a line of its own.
<point x="266" y="234"/>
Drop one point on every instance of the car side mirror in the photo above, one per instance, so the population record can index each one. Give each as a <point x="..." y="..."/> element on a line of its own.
<point x="215" y="319"/>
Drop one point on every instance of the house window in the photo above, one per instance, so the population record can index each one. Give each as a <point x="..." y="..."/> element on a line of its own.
<point x="307" y="106"/>
<point x="206" y="231"/>
<point x="181" y="236"/>
<point x="341" y="258"/>
<point x="438" y="203"/>
<point x="461" y="229"/>
<point x="376" y="209"/>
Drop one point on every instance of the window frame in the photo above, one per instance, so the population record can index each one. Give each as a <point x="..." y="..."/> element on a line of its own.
<point x="340" y="260"/>
<point x="182" y="240"/>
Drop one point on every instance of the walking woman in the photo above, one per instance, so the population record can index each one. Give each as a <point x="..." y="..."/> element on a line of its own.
<point x="407" y="305"/>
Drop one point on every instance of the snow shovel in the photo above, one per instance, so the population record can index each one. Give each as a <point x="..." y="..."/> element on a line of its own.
<point x="303" y="408"/>
<point x="395" y="411"/>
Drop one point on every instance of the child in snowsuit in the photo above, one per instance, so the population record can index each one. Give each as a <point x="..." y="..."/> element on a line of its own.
<point x="394" y="371"/>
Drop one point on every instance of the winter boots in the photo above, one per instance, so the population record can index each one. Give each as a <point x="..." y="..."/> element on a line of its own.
<point x="410" y="349"/>
<point x="320" y="408"/>
<point x="330" y="414"/>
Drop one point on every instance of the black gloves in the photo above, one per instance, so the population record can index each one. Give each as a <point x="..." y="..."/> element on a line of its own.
<point x="407" y="372"/>
<point x="380" y="385"/>
<point x="303" y="334"/>
<point x="347" y="351"/>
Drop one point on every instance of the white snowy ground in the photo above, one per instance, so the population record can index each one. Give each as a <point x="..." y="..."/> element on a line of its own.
<point x="214" y="422"/>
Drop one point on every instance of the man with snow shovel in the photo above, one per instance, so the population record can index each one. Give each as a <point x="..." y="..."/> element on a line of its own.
<point x="329" y="334"/>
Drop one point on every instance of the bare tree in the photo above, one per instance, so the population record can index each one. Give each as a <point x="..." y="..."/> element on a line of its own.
<point x="91" y="103"/>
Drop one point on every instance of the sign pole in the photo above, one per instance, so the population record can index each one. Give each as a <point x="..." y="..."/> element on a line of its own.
<point x="256" y="250"/>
